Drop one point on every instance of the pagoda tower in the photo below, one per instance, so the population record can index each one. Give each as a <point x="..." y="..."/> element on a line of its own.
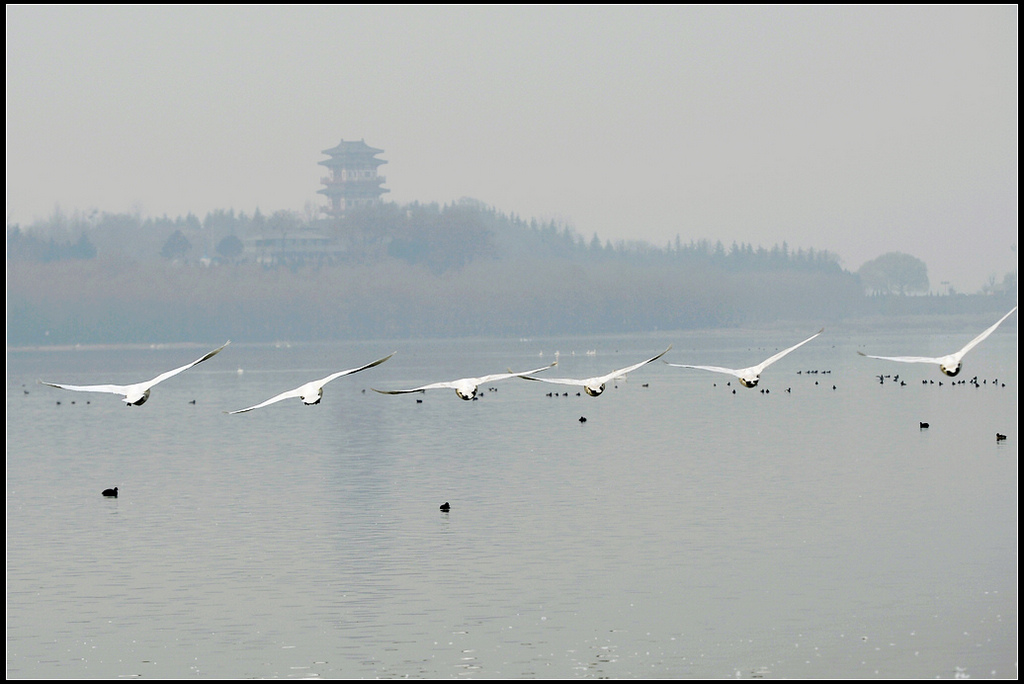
<point x="353" y="181"/>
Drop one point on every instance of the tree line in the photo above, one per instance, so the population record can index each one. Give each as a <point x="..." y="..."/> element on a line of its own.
<point x="441" y="238"/>
<point x="401" y="271"/>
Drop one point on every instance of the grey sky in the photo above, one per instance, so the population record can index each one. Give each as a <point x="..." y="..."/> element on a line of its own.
<point x="860" y="130"/>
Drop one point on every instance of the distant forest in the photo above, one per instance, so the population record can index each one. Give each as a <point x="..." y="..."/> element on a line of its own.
<point x="420" y="270"/>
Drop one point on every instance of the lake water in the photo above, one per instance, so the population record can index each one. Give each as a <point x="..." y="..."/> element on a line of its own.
<point x="682" y="530"/>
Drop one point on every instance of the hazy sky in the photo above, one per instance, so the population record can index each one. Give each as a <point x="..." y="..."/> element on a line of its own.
<point x="859" y="130"/>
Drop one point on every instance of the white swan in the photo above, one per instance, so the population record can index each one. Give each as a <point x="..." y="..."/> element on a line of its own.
<point x="137" y="394"/>
<point x="311" y="392"/>
<point x="595" y="386"/>
<point x="466" y="387"/>
<point x="951" y="363"/>
<point x="749" y="377"/>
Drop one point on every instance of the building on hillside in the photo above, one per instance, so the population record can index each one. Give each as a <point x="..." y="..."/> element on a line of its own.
<point x="292" y="247"/>
<point x="354" y="181"/>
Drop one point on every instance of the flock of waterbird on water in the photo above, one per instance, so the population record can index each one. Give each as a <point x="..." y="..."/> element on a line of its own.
<point x="466" y="388"/>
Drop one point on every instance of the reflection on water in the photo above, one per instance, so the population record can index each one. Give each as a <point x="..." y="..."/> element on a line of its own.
<point x="812" y="529"/>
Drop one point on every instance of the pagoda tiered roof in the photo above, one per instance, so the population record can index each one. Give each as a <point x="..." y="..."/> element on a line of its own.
<point x="352" y="151"/>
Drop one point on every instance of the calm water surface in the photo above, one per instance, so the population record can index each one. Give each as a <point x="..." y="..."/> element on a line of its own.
<point x="683" y="530"/>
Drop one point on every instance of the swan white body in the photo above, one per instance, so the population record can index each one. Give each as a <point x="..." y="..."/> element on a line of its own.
<point x="949" y="364"/>
<point x="311" y="392"/>
<point x="137" y="394"/>
<point x="749" y="377"/>
<point x="595" y="386"/>
<point x="466" y="387"/>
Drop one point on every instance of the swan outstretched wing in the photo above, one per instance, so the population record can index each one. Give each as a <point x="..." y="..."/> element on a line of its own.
<point x="350" y="371"/>
<point x="171" y="373"/>
<point x="977" y="340"/>
<point x="557" y="381"/>
<point x="424" y="388"/>
<point x="714" y="369"/>
<point x="511" y="374"/>
<point x="906" y="359"/>
<point x="295" y="393"/>
<point x="772" y="359"/>
<point x="628" y="369"/>
<point x="110" y="389"/>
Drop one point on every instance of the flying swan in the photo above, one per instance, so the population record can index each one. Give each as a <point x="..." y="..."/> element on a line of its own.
<point x="137" y="394"/>
<point x="595" y="386"/>
<point x="466" y="387"/>
<point x="311" y="392"/>
<point x="749" y="377"/>
<point x="949" y="364"/>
